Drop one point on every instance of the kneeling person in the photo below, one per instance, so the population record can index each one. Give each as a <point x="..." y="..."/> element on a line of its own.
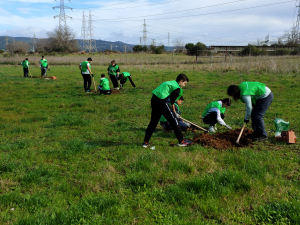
<point x="123" y="77"/>
<point x="165" y="124"/>
<point x="104" y="85"/>
<point x="214" y="113"/>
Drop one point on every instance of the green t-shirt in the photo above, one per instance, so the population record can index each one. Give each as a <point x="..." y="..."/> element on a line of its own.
<point x="105" y="84"/>
<point x="213" y="105"/>
<point x="166" y="88"/>
<point x="112" y="70"/>
<point x="25" y="64"/>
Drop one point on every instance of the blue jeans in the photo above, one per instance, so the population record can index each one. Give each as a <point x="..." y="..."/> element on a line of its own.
<point x="257" y="115"/>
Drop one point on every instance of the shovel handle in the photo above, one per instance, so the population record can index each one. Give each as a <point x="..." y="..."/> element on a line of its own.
<point x="239" y="137"/>
<point x="194" y="124"/>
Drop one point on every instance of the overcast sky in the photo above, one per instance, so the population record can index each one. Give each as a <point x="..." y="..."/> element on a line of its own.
<point x="218" y="22"/>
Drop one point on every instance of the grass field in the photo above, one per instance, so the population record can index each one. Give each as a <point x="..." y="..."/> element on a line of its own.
<point x="67" y="157"/>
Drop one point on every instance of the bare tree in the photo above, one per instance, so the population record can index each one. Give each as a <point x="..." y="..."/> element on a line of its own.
<point x="179" y="44"/>
<point x="18" y="47"/>
<point x="291" y="37"/>
<point x="62" y="40"/>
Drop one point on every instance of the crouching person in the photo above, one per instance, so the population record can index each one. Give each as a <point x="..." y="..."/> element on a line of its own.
<point x="167" y="126"/>
<point x="123" y="77"/>
<point x="214" y="113"/>
<point x="104" y="85"/>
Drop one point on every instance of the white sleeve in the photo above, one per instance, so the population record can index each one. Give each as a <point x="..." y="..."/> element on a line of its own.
<point x="219" y="118"/>
<point x="27" y="65"/>
<point x="248" y="104"/>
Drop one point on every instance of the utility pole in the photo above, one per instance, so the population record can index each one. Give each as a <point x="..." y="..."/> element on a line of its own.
<point x="140" y="40"/>
<point x="33" y="43"/>
<point x="84" y="41"/>
<point x="145" y="33"/>
<point x="169" y="41"/>
<point x="92" y="42"/>
<point x="153" y="42"/>
<point x="6" y="43"/>
<point x="62" y="16"/>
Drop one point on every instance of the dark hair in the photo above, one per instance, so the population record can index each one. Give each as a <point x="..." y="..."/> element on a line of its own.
<point x="234" y="92"/>
<point x="113" y="61"/>
<point x="182" y="77"/>
<point x="226" y="100"/>
<point x="102" y="75"/>
<point x="181" y="98"/>
<point x="121" y="75"/>
<point x="43" y="56"/>
<point x="26" y="59"/>
<point x="89" y="59"/>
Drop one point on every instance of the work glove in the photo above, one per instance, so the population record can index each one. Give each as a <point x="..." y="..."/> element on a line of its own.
<point x="187" y="124"/>
<point x="228" y="127"/>
<point x="177" y="115"/>
<point x="246" y="121"/>
<point x="92" y="75"/>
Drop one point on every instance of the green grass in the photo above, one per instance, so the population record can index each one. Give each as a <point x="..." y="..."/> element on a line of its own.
<point x="67" y="157"/>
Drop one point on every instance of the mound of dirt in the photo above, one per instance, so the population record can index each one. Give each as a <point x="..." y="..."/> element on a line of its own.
<point x="115" y="91"/>
<point x="224" y="140"/>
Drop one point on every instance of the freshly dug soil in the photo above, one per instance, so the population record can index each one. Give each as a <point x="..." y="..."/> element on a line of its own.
<point x="224" y="140"/>
<point x="115" y="91"/>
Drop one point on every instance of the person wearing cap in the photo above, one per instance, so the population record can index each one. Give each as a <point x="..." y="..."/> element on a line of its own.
<point x="25" y="65"/>
<point x="113" y="72"/>
<point x="214" y="113"/>
<point x="159" y="102"/>
<point x="257" y="98"/>
<point x="166" y="125"/>
<point x="44" y="66"/>
<point x="123" y="77"/>
<point x="85" y="68"/>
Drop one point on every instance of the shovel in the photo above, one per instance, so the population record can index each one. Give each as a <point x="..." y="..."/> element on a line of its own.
<point x="94" y="84"/>
<point x="29" y="73"/>
<point x="239" y="137"/>
<point x="194" y="125"/>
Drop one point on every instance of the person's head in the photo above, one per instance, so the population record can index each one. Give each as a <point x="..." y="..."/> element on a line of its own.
<point x="121" y="76"/>
<point x="26" y="59"/>
<point x="102" y="75"/>
<point x="113" y="62"/>
<point x="234" y="92"/>
<point x="182" y="79"/>
<point x="180" y="100"/>
<point x="89" y="60"/>
<point x="43" y="57"/>
<point x="226" y="102"/>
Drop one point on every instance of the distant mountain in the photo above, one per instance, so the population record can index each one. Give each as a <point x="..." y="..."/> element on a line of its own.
<point x="100" y="44"/>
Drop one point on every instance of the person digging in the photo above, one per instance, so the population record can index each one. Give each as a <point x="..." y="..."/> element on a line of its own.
<point x="257" y="98"/>
<point x="166" y="125"/>
<point x="104" y="85"/>
<point x="85" y="68"/>
<point x="44" y="66"/>
<point x="214" y="113"/>
<point x="123" y="77"/>
<point x="25" y="65"/>
<point x="159" y="102"/>
<point x="113" y="72"/>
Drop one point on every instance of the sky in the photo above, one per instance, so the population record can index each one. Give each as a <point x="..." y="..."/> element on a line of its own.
<point x="218" y="22"/>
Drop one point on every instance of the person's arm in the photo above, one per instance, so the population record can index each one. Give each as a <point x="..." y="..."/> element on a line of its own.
<point x="89" y="69"/>
<point x="174" y="95"/>
<point x="219" y="118"/>
<point x="27" y="64"/>
<point x="80" y="67"/>
<point x="118" y="71"/>
<point x="248" y="104"/>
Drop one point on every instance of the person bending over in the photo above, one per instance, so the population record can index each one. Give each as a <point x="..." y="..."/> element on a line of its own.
<point x="159" y="102"/>
<point x="123" y="77"/>
<point x="257" y="98"/>
<point x="214" y="113"/>
<point x="104" y="85"/>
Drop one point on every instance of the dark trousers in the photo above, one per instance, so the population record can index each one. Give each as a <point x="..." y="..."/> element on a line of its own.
<point x="167" y="125"/>
<point x="122" y="82"/>
<point x="44" y="71"/>
<point x="211" y="118"/>
<point x="25" y="70"/>
<point x="160" y="108"/>
<point x="104" y="92"/>
<point x="114" y="80"/>
<point x="257" y="115"/>
<point x="87" y="81"/>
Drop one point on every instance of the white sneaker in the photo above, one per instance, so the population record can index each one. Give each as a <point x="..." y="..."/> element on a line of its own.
<point x="211" y="129"/>
<point x="215" y="127"/>
<point x="117" y="88"/>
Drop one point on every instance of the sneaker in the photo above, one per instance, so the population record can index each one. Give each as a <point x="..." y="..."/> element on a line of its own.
<point x="184" y="143"/>
<point x="261" y="138"/>
<point x="87" y="91"/>
<point x="211" y="129"/>
<point x="146" y="144"/>
<point x="215" y="127"/>
<point x="117" y="88"/>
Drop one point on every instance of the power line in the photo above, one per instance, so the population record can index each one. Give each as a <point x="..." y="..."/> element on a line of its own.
<point x="84" y="41"/>
<point x="92" y="42"/>
<point x="96" y="7"/>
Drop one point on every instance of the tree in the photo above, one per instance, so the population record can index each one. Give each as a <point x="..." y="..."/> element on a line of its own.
<point x="178" y="44"/>
<point x="192" y="49"/>
<point x="62" y="40"/>
<point x="137" y="48"/>
<point x="291" y="37"/>
<point x="159" y="49"/>
<point x="17" y="47"/>
<point x="250" y="50"/>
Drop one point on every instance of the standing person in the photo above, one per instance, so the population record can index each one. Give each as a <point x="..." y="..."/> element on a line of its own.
<point x="44" y="66"/>
<point x="85" y="68"/>
<point x="159" y="103"/>
<point x="113" y="72"/>
<point x="125" y="76"/>
<point x="214" y="113"/>
<point x="104" y="85"/>
<point x="257" y="98"/>
<point x="166" y="125"/>
<point x="25" y="65"/>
